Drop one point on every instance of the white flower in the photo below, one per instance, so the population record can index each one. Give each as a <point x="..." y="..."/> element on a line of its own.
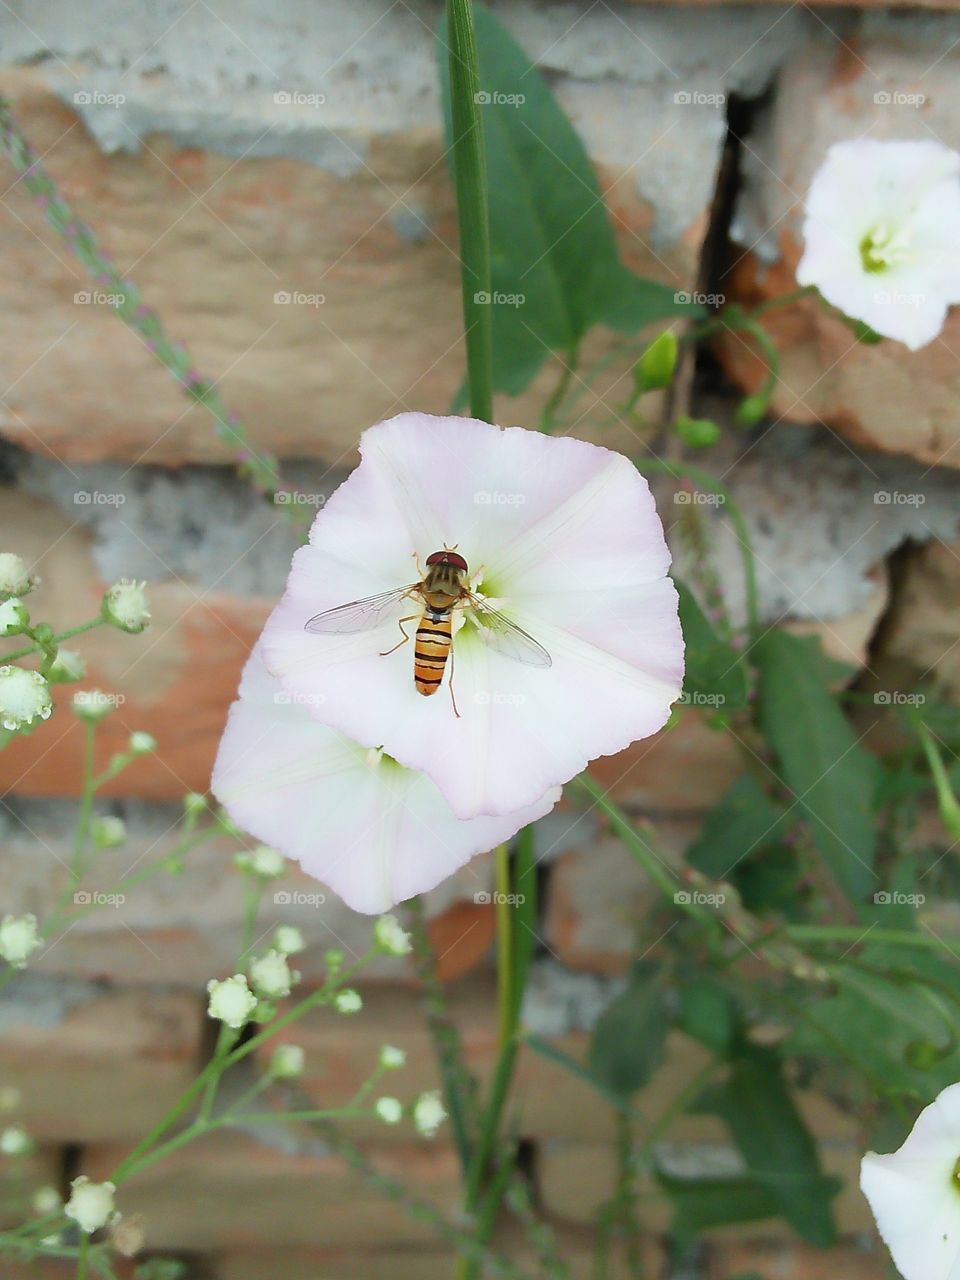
<point x="391" y="938"/>
<point x="348" y="1001"/>
<point x="287" y="1062"/>
<point x="141" y="744"/>
<point x="24" y="697"/>
<point x="561" y="536"/>
<point x="231" y="1001"/>
<point x="18" y="939"/>
<point x="14" y="616"/>
<point x="90" y="1204"/>
<point x="108" y="831"/>
<point x="389" y="1110"/>
<point x="46" y="1200"/>
<point x="125" y="606"/>
<point x="391" y="1058"/>
<point x="288" y="939"/>
<point x="15" y="1141"/>
<point x="14" y="578"/>
<point x="67" y="666"/>
<point x="428" y="1113"/>
<point x="267" y="863"/>
<point x="271" y="975"/>
<point x="915" y="1193"/>
<point x="374" y="832"/>
<point x="882" y="235"/>
<point x="93" y="704"/>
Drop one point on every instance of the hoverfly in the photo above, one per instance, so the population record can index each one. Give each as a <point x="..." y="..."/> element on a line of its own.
<point x="441" y="590"/>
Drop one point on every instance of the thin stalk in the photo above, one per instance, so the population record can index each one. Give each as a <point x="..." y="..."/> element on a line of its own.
<point x="82" y="832"/>
<point x="57" y="639"/>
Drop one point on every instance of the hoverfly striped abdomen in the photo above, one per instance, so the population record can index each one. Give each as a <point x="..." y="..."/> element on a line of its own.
<point x="432" y="649"/>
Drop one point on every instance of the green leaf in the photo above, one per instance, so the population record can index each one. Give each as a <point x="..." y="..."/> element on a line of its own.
<point x="755" y="1104"/>
<point x="745" y="822"/>
<point x="715" y="675"/>
<point x="552" y="1054"/>
<point x="702" y="1203"/>
<point x="708" y="1014"/>
<point x="833" y="778"/>
<point x="628" y="1040"/>
<point x="555" y="268"/>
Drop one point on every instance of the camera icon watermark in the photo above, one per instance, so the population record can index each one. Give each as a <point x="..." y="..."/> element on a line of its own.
<point x="697" y="498"/>
<point x="697" y="98"/>
<point x="486" y="899"/>
<point x="697" y="898"/>
<point x="94" y="498"/>
<point x="98" y="298"/>
<point x="697" y="698"/>
<point x="284" y="699"/>
<point x="694" y="298"/>
<point x="896" y="498"/>
<point x="897" y="98"/>
<point x="94" y="98"/>
<point x="895" y="898"/>
<point x="497" y="698"/>
<point x="94" y="898"/>
<point x="496" y="498"/>
<point x="486" y="99"/>
<point x="499" y="299"/>
<point x="297" y="98"/>
<point x="295" y="298"/>
<point x="894" y="698"/>
<point x="297" y="498"/>
<point x="297" y="898"/>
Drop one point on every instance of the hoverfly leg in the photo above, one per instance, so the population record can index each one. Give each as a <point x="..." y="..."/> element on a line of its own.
<point x="411" y="618"/>
<point x="453" y="696"/>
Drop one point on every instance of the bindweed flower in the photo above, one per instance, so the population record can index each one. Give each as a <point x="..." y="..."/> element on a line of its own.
<point x="91" y="1204"/>
<point x="287" y="1062"/>
<point x="15" y="580"/>
<point x="561" y="537"/>
<point x="391" y="938"/>
<point x="882" y="235"/>
<point x="428" y="1114"/>
<point x="389" y="1110"/>
<point x="18" y="939"/>
<point x="373" y="831"/>
<point x="231" y="1001"/>
<point x="288" y="939"/>
<point x="391" y="1058"/>
<point x="915" y="1193"/>
<point x="108" y="831"/>
<point x="348" y="1001"/>
<point x="24" y="697"/>
<point x="271" y="976"/>
<point x="125" y="606"/>
<point x="14" y="617"/>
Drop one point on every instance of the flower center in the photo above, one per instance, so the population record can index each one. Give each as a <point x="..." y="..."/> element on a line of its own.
<point x="955" y="1176"/>
<point x="882" y="248"/>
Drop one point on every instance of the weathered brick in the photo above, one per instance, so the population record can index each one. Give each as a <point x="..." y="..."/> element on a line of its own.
<point x="21" y="1176"/>
<point x="93" y="1064"/>
<point x="774" y="1259"/>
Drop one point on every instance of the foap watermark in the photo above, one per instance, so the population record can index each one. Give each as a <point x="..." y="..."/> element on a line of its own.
<point x="97" y="700"/>
<point x="697" y="498"/>
<point x="94" y="898"/>
<point x="497" y="498"/>
<point x="896" y="498"/>
<point x="286" y="298"/>
<point x="687" y="298"/>
<point x="297" y="898"/>
<point x="894" y="698"/>
<point x="894" y="898"/>
<point x="697" y="98"/>
<point x="297" y="98"/>
<point x="896" y="298"/>
<point x="96" y="98"/>
<point x="94" y="498"/>
<point x="496" y="99"/>
<point x="98" y="298"/>
<point x="485" y="899"/>
<point x="297" y="498"/>
<point x="897" y="98"/>
<point x="284" y="699"/>
<point x="697" y="898"/>
<point x="697" y="698"/>
<point x="497" y="299"/>
<point x="485" y="698"/>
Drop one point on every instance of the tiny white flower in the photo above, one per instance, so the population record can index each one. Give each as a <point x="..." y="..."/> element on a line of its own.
<point x="15" y="1141"/>
<point x="348" y="1001"/>
<point x="287" y="1062"/>
<point x="391" y="1058"/>
<point x="125" y="606"/>
<point x="67" y="666"/>
<point x="14" y="578"/>
<point x="46" y="1200"/>
<point x="14" y="616"/>
<point x="882" y="235"/>
<point x="141" y="744"/>
<point x="389" y="1110"/>
<point x="231" y="1001"/>
<point x="92" y="704"/>
<point x="428" y="1113"/>
<point x="18" y="939"/>
<point x="91" y="1204"/>
<point x="391" y="938"/>
<point x="194" y="802"/>
<point x="271" y="975"/>
<point x="262" y="861"/>
<point x="108" y="831"/>
<point x="915" y="1193"/>
<point x="24" y="697"/>
<point x="288" y="939"/>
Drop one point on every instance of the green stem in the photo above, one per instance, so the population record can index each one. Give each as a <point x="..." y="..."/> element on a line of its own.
<point x="58" y="639"/>
<point x="861" y="933"/>
<point x="82" y="832"/>
<point x="470" y="180"/>
<point x="504" y="947"/>
<point x="551" y="408"/>
<point x="83" y="1254"/>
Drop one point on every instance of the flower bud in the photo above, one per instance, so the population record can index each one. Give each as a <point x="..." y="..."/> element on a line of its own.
<point x="287" y="1062"/>
<point x="66" y="667"/>
<point x="654" y="369"/>
<point x="14" y="617"/>
<point x="429" y="1113"/>
<point x="288" y="939"/>
<point x="18" y="939"/>
<point x="15" y="1141"/>
<point x="141" y="744"/>
<point x="92" y="704"/>
<point x="389" y="1110"/>
<point x="271" y="975"/>
<point x="231" y="1001"/>
<point x="14" y="578"/>
<point x="90" y="1204"/>
<point x="125" y="606"/>
<point x="263" y="862"/>
<point x="24" y="697"/>
<point x="348" y="1001"/>
<point x="391" y="1058"/>
<point x="390" y="937"/>
<point x="697" y="433"/>
<point x="108" y="832"/>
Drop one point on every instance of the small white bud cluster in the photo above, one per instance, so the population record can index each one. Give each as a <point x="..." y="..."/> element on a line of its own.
<point x="231" y="1001"/>
<point x="14" y="617"/>
<point x="429" y="1113"/>
<point x="272" y="976"/>
<point x="125" y="606"/>
<point x="263" y="862"/>
<point x="91" y="1204"/>
<point x="391" y="938"/>
<point x="24" y="697"/>
<point x="15" y="581"/>
<point x="18" y="939"/>
<point x="287" y="1062"/>
<point x="108" y="832"/>
<point x="348" y="1001"/>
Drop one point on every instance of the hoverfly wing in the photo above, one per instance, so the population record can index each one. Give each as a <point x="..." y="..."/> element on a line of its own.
<point x="359" y="615"/>
<point x="506" y="637"/>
